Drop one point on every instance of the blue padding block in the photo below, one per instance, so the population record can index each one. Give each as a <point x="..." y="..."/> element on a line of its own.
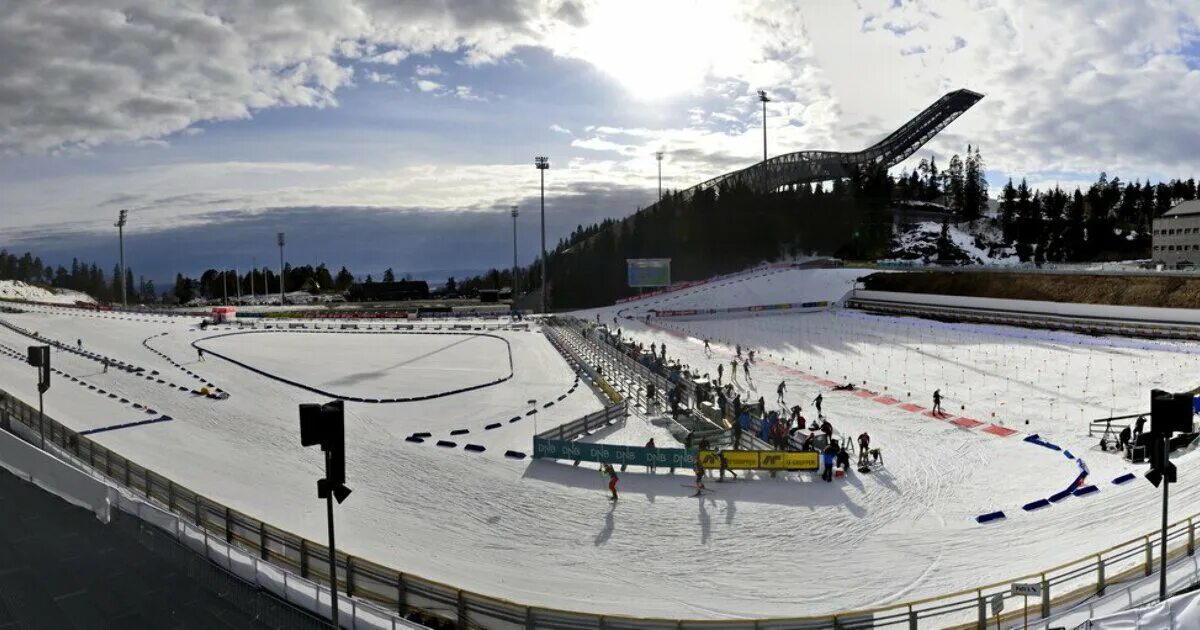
<point x="1068" y="454"/>
<point x="475" y="448"/>
<point x="446" y="444"/>
<point x="1035" y="505"/>
<point x="1086" y="490"/>
<point x="514" y="454"/>
<point x="1126" y="478"/>
<point x="1059" y="496"/>
<point x="413" y="438"/>
<point x="989" y="517"/>
<point x="494" y="425"/>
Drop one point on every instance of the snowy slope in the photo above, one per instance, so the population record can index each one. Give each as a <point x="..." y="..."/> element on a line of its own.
<point x="977" y="243"/>
<point x="542" y="533"/>
<point x="17" y="290"/>
<point x="768" y="286"/>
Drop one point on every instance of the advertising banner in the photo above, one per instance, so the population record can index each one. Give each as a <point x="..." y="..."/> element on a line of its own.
<point x="783" y="460"/>
<point x="649" y="272"/>
<point x="761" y="460"/>
<point x="613" y="454"/>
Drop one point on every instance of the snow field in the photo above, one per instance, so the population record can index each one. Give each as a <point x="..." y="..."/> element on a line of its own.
<point x="17" y="290"/>
<point x="542" y="533"/>
<point x="1056" y="381"/>
<point x="769" y="286"/>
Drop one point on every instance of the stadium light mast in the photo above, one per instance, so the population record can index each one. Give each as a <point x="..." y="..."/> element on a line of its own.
<point x="280" y="240"/>
<point x="120" y="225"/>
<point x="514" y="271"/>
<point x="542" y="163"/>
<point x="658" y="155"/>
<point x="762" y="96"/>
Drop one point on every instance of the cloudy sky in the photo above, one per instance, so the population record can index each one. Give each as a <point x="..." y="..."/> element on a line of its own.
<point x="397" y="133"/>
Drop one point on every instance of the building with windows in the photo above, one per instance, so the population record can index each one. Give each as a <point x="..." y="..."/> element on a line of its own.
<point x="1176" y="238"/>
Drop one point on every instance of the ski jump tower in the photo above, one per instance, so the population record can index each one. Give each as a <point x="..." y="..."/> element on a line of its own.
<point x="806" y="167"/>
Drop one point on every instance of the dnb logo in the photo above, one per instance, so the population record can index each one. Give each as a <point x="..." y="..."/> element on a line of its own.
<point x="571" y="451"/>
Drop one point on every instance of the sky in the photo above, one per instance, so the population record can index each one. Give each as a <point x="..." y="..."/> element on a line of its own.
<point x="398" y="133"/>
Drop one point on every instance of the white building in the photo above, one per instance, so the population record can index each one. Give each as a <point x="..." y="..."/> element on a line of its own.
<point x="1176" y="238"/>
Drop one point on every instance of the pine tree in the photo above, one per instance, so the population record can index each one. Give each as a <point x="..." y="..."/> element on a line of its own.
<point x="1008" y="212"/>
<point x="389" y="275"/>
<point x="1028" y="223"/>
<point x="343" y="280"/>
<point x="955" y="188"/>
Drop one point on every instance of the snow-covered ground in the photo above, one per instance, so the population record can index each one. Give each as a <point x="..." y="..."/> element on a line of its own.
<point x="17" y="290"/>
<point x="542" y="533"/>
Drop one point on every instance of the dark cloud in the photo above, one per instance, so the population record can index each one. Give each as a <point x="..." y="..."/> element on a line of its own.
<point x="367" y="240"/>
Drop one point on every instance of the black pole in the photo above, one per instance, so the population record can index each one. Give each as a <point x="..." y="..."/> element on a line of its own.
<point x="333" y="587"/>
<point x="543" y="186"/>
<point x="41" y="418"/>
<point x="1162" y="560"/>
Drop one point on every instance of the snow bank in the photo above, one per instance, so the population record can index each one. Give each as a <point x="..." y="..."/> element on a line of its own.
<point x="20" y="291"/>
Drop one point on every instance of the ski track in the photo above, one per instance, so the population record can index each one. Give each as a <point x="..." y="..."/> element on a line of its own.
<point x="543" y="533"/>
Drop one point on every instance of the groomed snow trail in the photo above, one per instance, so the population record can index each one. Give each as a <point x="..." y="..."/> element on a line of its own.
<point x="543" y="533"/>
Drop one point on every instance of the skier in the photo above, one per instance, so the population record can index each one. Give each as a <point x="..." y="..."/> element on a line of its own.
<point x="607" y="470"/>
<point x="662" y="348"/>
<point x="200" y="353"/>
<point x="79" y="342"/>
<point x="752" y="356"/>
<point x="720" y="372"/>
<point x="746" y="366"/>
<point x="650" y="446"/>
<point x="707" y="350"/>
<point x="739" y="351"/>
<point x="699" y="478"/>
<point x="724" y="466"/>
<point x="733" y="370"/>
<point x="105" y="366"/>
<point x="817" y="402"/>
<point x="937" y="402"/>
<point x="779" y="392"/>
<point x="864" y="447"/>
<point x="652" y="349"/>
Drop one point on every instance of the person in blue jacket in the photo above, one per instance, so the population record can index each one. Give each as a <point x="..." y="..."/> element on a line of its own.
<point x="827" y="458"/>
<point x="765" y="427"/>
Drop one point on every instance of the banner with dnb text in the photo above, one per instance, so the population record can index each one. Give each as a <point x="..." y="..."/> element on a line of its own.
<point x="544" y="448"/>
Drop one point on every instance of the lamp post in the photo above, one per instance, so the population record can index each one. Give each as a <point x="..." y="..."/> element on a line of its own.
<point x="658" y="155"/>
<point x="542" y="163"/>
<point x="279" y="238"/>
<point x="120" y="225"/>
<point x="253" y="270"/>
<point x="762" y="96"/>
<point x="514" y="271"/>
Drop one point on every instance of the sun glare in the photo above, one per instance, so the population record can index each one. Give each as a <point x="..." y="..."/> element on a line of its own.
<point x="656" y="49"/>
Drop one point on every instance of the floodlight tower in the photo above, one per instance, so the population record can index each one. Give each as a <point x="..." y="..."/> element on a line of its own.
<point x="279" y="239"/>
<point x="542" y="163"/>
<point x="658" y="155"/>
<point x="762" y="96"/>
<point x="120" y="225"/>
<point x="514" y="271"/>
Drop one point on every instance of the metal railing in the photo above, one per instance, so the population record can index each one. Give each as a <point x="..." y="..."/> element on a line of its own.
<point x="1063" y="585"/>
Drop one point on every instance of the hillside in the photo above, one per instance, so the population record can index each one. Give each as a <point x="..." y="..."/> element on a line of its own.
<point x="22" y="292"/>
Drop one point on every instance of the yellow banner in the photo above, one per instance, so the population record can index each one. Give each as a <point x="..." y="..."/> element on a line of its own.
<point x="741" y="460"/>
<point x="761" y="460"/>
<point x="782" y="460"/>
